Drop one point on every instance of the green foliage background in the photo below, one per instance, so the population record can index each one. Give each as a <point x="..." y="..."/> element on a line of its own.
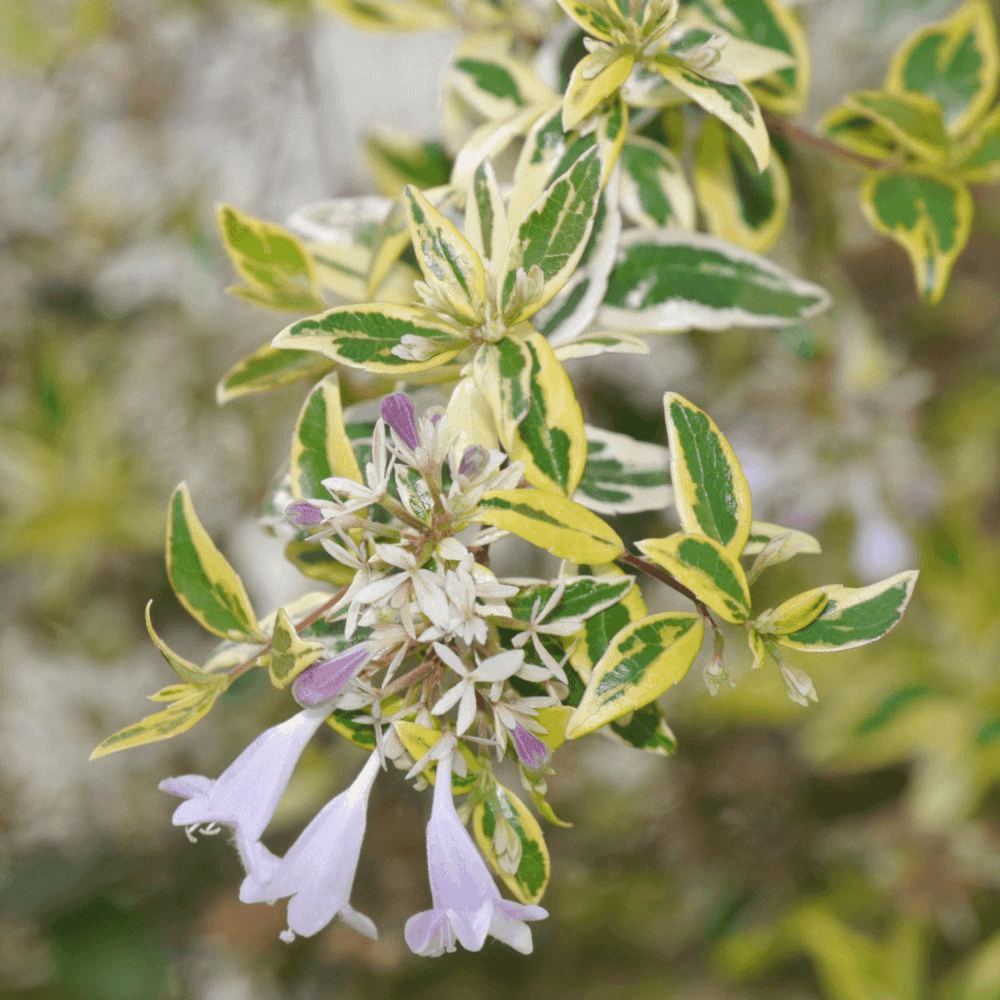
<point x="850" y="851"/>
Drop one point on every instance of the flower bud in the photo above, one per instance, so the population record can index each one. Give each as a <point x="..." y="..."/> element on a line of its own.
<point x="474" y="460"/>
<point x="399" y="412"/>
<point x="303" y="513"/>
<point x="531" y="751"/>
<point x="324" y="681"/>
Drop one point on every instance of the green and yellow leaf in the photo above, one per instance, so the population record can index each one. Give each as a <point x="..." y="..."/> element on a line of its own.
<point x="451" y="267"/>
<point x="289" y="654"/>
<point x="582" y="597"/>
<point x="190" y="704"/>
<point x="320" y="445"/>
<point x="646" y="729"/>
<point x="552" y="522"/>
<point x="549" y="437"/>
<point x="269" y="368"/>
<point x="205" y="583"/>
<point x="497" y="817"/>
<point x="622" y="475"/>
<point x="595" y="78"/>
<point x="551" y="237"/>
<point x="379" y="338"/>
<point x="187" y="671"/>
<point x="740" y="204"/>
<point x="855" y="616"/>
<point x="858" y="133"/>
<point x="595" y="18"/>
<point x="484" y="74"/>
<point x="666" y="281"/>
<point x="773" y="544"/>
<point x="601" y="628"/>
<point x="590" y="345"/>
<point x="711" y="492"/>
<point x="928" y="214"/>
<point x="419" y="740"/>
<point x="485" y="218"/>
<point x="955" y="61"/>
<point x="271" y="260"/>
<point x="654" y="192"/>
<point x="706" y="568"/>
<point x="398" y="159"/>
<point x="977" y="157"/>
<point x="644" y="660"/>
<point x="793" y="615"/>
<point x="913" y="120"/>
<point x="312" y="560"/>
<point x="730" y="102"/>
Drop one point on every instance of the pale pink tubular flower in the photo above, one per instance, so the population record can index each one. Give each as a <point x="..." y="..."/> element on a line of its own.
<point x="318" y="870"/>
<point x="467" y="904"/>
<point x="247" y="793"/>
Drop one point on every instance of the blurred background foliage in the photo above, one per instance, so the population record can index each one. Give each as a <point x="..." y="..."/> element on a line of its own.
<point x="850" y="851"/>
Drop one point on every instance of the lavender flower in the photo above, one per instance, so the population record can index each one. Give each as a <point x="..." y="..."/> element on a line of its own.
<point x="467" y="904"/>
<point x="324" y="681"/>
<point x="318" y="870"/>
<point x="399" y="413"/>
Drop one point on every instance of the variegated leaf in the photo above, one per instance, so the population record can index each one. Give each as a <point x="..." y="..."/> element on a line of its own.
<point x="773" y="544"/>
<point x="548" y="435"/>
<point x="269" y="368"/>
<point x="711" y="492"/>
<point x="451" y="267"/>
<point x="596" y="77"/>
<point x="551" y="522"/>
<point x="706" y="568"/>
<point x="550" y="239"/>
<point x="855" y="616"/>
<point x="644" y="660"/>
<point x="320" y="445"/>
<point x="622" y="475"/>
<point x="928" y="213"/>
<point x="205" y="583"/>
<point x="740" y="204"/>
<point x="654" y="192"/>
<point x="379" y="338"/>
<point x="485" y="218"/>
<point x="731" y="102"/>
<point x="913" y="120"/>
<point x="955" y="61"/>
<point x="589" y="345"/>
<point x="582" y="597"/>
<point x="398" y="159"/>
<point x="277" y="268"/>
<point x="289" y="654"/>
<point x="792" y="615"/>
<point x="645" y="729"/>
<point x="669" y="280"/>
<point x="501" y="812"/>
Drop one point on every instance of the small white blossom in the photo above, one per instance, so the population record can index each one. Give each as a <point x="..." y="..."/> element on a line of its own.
<point x="493" y="670"/>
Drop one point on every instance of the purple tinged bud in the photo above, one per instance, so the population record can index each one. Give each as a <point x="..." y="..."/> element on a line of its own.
<point x="473" y="462"/>
<point x="434" y="414"/>
<point x="399" y="413"/>
<point x="531" y="751"/>
<point x="302" y="512"/>
<point x="326" y="680"/>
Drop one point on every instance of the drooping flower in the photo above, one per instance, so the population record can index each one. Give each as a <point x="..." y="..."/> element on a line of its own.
<point x="318" y="870"/>
<point x="247" y="793"/>
<point x="467" y="905"/>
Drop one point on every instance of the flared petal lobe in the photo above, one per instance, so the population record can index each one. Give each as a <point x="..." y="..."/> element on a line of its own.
<point x="318" y="871"/>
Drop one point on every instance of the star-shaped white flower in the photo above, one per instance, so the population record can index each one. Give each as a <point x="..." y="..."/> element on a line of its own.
<point x="494" y="670"/>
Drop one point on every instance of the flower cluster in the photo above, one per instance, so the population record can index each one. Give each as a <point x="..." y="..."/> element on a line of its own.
<point x="422" y="621"/>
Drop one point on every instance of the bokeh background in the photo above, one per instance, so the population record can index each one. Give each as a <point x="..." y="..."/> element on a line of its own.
<point x="850" y="851"/>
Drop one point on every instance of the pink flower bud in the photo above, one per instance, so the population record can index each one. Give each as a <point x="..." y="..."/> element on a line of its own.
<point x="326" y="680"/>
<point x="399" y="413"/>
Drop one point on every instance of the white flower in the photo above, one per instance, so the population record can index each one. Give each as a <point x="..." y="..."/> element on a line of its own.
<point x="246" y="794"/>
<point x="318" y="870"/>
<point x="493" y="670"/>
<point x="536" y="627"/>
<point x="466" y="903"/>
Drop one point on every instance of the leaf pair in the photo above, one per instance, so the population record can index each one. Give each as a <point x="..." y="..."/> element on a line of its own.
<point x="931" y="121"/>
